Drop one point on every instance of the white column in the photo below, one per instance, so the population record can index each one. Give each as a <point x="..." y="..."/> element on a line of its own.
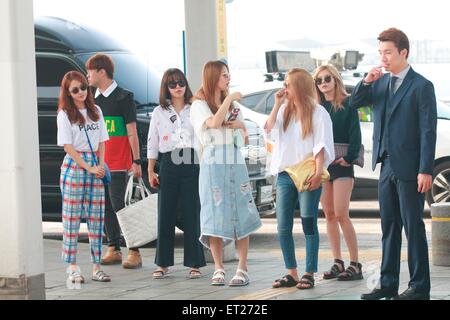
<point x="206" y="39"/>
<point x="206" y="36"/>
<point x="21" y="249"/>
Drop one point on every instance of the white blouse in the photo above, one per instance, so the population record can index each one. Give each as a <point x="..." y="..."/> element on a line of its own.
<point x="200" y="112"/>
<point x="169" y="131"/>
<point x="289" y="146"/>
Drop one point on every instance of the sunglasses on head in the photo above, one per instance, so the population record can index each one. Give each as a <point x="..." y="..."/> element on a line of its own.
<point x="327" y="79"/>
<point x="173" y="84"/>
<point x="75" y="90"/>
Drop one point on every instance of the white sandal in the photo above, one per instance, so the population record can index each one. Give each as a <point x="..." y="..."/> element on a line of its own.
<point x="101" y="276"/>
<point x="75" y="275"/>
<point x="240" y="279"/>
<point x="218" y="278"/>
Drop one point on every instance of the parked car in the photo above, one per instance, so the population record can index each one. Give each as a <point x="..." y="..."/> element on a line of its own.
<point x="62" y="46"/>
<point x="258" y="103"/>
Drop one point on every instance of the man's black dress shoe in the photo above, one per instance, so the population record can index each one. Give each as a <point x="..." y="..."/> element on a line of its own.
<point x="378" y="294"/>
<point x="412" y="294"/>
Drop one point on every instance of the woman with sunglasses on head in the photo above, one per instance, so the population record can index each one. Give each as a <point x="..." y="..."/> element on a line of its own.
<point x="171" y="140"/>
<point x="336" y="193"/>
<point x="228" y="211"/>
<point x="80" y="124"/>
<point x="303" y="130"/>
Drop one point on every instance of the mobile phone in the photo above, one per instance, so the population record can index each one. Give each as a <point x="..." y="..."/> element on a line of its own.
<point x="234" y="114"/>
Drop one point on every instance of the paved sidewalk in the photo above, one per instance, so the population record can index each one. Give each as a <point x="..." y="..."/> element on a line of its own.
<point x="265" y="265"/>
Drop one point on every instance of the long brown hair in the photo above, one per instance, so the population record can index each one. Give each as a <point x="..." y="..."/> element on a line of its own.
<point x="340" y="94"/>
<point x="212" y="71"/>
<point x="67" y="104"/>
<point x="303" y="103"/>
<point x="173" y="74"/>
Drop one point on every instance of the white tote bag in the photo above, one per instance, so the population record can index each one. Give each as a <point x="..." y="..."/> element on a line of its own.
<point x="139" y="220"/>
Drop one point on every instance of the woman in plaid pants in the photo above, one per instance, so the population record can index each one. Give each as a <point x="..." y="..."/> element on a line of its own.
<point x="82" y="189"/>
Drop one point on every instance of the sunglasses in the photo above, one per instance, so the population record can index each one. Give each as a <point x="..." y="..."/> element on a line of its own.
<point x="327" y="79"/>
<point x="76" y="89"/>
<point x="173" y="84"/>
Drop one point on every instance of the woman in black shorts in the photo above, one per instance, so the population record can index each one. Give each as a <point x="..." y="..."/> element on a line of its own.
<point x="336" y="193"/>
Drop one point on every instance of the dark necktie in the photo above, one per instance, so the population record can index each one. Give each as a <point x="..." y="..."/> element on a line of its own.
<point x="386" y="116"/>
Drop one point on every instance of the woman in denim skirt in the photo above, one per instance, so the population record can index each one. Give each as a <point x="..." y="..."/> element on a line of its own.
<point x="228" y="211"/>
<point x="302" y="129"/>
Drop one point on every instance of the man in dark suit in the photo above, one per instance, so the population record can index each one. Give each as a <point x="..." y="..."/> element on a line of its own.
<point x="404" y="142"/>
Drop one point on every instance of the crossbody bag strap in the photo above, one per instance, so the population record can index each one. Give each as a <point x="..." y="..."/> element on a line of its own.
<point x="90" y="146"/>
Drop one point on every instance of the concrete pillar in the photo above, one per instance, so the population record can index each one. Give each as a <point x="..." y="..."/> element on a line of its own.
<point x="206" y="36"/>
<point x="206" y="39"/>
<point x="21" y="253"/>
<point x="440" y="233"/>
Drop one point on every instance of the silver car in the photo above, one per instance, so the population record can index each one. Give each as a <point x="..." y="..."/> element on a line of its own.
<point x="257" y="104"/>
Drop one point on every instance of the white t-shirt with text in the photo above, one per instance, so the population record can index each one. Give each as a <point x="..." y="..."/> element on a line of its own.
<point x="75" y="135"/>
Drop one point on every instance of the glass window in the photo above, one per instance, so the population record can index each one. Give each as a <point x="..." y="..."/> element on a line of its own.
<point x="270" y="102"/>
<point x="252" y="100"/>
<point x="443" y="110"/>
<point x="51" y="70"/>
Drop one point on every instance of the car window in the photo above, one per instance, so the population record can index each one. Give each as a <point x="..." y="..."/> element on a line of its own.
<point x="365" y="114"/>
<point x="443" y="110"/>
<point x="252" y="100"/>
<point x="51" y="70"/>
<point x="270" y="102"/>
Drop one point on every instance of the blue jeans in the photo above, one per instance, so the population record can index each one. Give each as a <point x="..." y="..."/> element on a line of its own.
<point x="287" y="197"/>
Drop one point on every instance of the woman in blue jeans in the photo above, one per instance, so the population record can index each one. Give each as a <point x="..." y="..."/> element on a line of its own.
<point x="301" y="129"/>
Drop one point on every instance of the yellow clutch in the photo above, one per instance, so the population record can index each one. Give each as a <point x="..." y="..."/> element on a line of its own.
<point x="301" y="172"/>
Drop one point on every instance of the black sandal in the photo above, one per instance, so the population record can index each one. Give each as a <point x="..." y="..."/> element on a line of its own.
<point x="351" y="272"/>
<point x="306" y="279"/>
<point x="286" y="281"/>
<point x="334" y="271"/>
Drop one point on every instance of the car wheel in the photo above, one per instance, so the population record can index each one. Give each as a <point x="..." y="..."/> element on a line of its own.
<point x="440" y="190"/>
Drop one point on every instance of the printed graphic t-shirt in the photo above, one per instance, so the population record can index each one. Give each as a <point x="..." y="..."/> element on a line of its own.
<point x="74" y="134"/>
<point x="118" y="110"/>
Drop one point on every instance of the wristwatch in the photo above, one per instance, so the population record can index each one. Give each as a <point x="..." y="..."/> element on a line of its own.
<point x="137" y="161"/>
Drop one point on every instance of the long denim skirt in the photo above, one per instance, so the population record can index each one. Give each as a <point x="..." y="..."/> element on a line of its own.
<point x="228" y="210"/>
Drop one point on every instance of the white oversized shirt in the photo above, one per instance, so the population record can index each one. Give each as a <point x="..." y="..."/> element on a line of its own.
<point x="169" y="131"/>
<point x="74" y="134"/>
<point x="200" y="112"/>
<point x="289" y="146"/>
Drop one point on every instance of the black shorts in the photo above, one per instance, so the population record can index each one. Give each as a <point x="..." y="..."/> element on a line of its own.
<point x="337" y="171"/>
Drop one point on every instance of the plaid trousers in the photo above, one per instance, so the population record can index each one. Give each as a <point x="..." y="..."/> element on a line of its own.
<point x="83" y="196"/>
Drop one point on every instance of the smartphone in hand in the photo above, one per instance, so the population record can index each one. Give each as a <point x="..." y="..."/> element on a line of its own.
<point x="234" y="114"/>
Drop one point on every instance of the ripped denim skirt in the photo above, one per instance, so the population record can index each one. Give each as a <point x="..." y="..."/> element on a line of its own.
<point x="228" y="210"/>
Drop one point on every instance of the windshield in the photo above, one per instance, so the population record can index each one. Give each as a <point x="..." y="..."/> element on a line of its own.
<point x="132" y="73"/>
<point x="443" y="110"/>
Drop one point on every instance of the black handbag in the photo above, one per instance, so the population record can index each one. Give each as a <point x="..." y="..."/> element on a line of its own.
<point x="341" y="149"/>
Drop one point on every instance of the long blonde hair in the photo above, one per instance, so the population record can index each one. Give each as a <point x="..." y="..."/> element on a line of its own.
<point x="212" y="71"/>
<point x="340" y="94"/>
<point x="303" y="103"/>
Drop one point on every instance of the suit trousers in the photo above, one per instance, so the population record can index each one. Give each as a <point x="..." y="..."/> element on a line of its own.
<point x="401" y="205"/>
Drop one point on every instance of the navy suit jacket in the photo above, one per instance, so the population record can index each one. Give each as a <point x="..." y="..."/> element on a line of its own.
<point x="411" y="126"/>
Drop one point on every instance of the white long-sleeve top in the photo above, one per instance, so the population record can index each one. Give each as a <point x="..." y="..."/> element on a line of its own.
<point x="169" y="131"/>
<point x="289" y="146"/>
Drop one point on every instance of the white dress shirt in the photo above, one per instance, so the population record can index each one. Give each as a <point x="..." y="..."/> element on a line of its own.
<point x="169" y="131"/>
<point x="108" y="91"/>
<point x="289" y="146"/>
<point x="400" y="77"/>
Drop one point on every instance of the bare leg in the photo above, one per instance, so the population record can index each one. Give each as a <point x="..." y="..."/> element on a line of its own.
<point x="342" y="192"/>
<point x="333" y="231"/>
<point x="242" y="249"/>
<point x="216" y="245"/>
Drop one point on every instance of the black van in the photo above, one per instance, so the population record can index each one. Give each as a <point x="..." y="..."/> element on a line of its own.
<point x="62" y="46"/>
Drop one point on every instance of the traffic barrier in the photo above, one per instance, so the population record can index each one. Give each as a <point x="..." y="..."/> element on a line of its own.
<point x="440" y="233"/>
